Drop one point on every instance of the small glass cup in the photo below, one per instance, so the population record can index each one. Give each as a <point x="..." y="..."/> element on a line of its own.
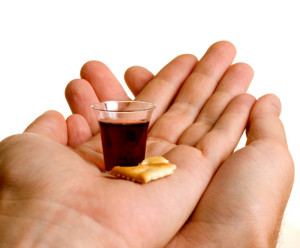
<point x="124" y="127"/>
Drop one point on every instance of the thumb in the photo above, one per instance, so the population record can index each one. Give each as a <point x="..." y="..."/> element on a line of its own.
<point x="264" y="122"/>
<point x="51" y="124"/>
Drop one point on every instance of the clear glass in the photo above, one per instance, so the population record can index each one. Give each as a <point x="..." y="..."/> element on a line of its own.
<point x="124" y="127"/>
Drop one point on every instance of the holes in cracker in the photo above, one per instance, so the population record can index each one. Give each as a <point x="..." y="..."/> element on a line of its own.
<point x="149" y="169"/>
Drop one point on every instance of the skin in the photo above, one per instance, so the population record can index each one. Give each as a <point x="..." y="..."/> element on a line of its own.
<point x="52" y="191"/>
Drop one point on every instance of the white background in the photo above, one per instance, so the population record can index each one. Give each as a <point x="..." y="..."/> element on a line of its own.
<point x="43" y="45"/>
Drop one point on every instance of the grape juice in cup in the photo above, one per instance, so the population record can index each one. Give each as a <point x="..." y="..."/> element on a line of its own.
<point x="123" y="127"/>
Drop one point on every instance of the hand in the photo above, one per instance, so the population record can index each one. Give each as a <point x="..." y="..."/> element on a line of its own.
<point x="61" y="184"/>
<point x="240" y="194"/>
<point x="244" y="203"/>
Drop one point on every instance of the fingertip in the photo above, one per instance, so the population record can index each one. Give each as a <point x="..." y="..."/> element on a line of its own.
<point x="268" y="103"/>
<point x="244" y="68"/>
<point x="274" y="102"/>
<point x="91" y="66"/>
<point x="224" y="45"/>
<point x="216" y="60"/>
<point x="136" y="72"/>
<point x="264" y="122"/>
<point x="52" y="115"/>
<point x="73" y="88"/>
<point x="250" y="98"/>
<point x="55" y="115"/>
<point x="80" y="96"/>
<point x="187" y="57"/>
<point x="136" y="77"/>
<point x="183" y="62"/>
<point x="104" y="83"/>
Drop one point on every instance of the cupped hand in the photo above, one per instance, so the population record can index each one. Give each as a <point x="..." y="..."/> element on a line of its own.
<point x="244" y="203"/>
<point x="245" y="199"/>
<point x="200" y="117"/>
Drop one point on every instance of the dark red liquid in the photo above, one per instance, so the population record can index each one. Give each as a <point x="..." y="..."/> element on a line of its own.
<point x="123" y="144"/>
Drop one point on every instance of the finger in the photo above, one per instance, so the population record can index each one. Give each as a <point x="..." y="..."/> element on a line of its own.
<point x="235" y="82"/>
<point x="165" y="85"/>
<point x="97" y="84"/>
<point x="80" y="96"/>
<point x="264" y="121"/>
<point x="220" y="142"/>
<point x="78" y="130"/>
<point x="51" y="124"/>
<point x="136" y="78"/>
<point x="194" y="93"/>
<point x="104" y="83"/>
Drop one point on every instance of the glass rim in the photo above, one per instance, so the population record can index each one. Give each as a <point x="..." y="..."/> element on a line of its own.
<point x="151" y="107"/>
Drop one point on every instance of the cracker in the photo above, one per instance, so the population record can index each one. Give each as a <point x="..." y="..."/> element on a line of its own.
<point x="155" y="160"/>
<point x="150" y="169"/>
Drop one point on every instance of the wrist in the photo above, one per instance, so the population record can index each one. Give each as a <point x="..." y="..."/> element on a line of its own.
<point x="218" y="235"/>
<point x="238" y="236"/>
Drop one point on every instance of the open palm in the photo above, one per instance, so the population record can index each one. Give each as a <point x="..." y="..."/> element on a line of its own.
<point x="201" y="106"/>
<point x="196" y="131"/>
<point x="201" y="115"/>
